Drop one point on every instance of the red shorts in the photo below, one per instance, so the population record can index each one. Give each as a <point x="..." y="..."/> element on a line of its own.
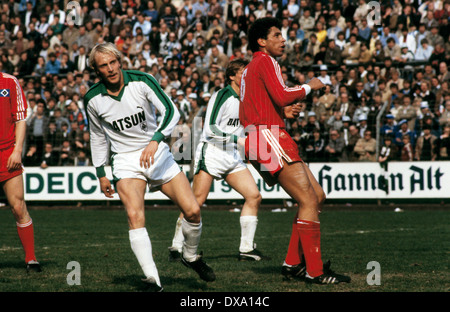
<point x="6" y="174"/>
<point x="266" y="148"/>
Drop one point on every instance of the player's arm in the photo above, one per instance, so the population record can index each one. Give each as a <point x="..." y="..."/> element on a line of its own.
<point x="99" y="150"/>
<point x="170" y="114"/>
<point x="15" y="160"/>
<point x="19" y="113"/>
<point x="281" y="95"/>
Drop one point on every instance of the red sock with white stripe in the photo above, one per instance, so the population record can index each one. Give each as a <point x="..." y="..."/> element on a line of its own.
<point x="295" y="251"/>
<point x="309" y="232"/>
<point x="26" y="235"/>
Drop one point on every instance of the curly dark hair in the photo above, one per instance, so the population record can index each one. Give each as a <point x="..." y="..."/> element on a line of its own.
<point x="260" y="29"/>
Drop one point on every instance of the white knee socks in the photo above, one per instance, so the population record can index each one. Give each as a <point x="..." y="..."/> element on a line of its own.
<point x="248" y="229"/>
<point x="191" y="233"/>
<point x="178" y="238"/>
<point x="142" y="248"/>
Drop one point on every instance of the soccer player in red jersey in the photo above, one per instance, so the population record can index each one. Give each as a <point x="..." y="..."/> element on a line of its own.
<point x="265" y="102"/>
<point x="13" y="111"/>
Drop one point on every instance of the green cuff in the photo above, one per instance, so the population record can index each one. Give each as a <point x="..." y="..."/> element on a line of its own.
<point x="158" y="137"/>
<point x="100" y="171"/>
<point x="234" y="138"/>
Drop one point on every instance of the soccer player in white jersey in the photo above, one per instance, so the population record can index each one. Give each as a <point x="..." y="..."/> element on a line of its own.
<point x="217" y="157"/>
<point x="123" y="126"/>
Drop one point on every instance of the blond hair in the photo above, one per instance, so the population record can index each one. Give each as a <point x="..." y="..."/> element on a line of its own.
<point x="107" y="48"/>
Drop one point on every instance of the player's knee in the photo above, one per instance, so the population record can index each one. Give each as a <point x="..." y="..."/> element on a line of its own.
<point x="256" y="199"/>
<point x="193" y="214"/>
<point x="311" y="202"/>
<point x="321" y="197"/>
<point x="200" y="198"/>
<point x="19" y="210"/>
<point x="136" y="217"/>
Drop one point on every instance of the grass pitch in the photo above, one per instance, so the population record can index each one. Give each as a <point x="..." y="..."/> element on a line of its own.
<point x="410" y="247"/>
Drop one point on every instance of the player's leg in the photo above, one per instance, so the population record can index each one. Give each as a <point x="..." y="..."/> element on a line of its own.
<point x="14" y="191"/>
<point x="177" y="241"/>
<point x="243" y="182"/>
<point x="179" y="191"/>
<point x="297" y="180"/>
<point x="201" y="187"/>
<point x="294" y="263"/>
<point x="317" y="188"/>
<point x="131" y="193"/>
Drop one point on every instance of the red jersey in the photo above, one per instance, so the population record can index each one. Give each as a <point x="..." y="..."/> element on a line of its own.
<point x="13" y="108"/>
<point x="264" y="93"/>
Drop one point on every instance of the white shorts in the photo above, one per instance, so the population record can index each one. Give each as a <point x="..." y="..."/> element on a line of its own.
<point x="164" y="168"/>
<point x="216" y="161"/>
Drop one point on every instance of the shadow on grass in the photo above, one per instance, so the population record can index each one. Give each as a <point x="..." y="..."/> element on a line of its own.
<point x="267" y="270"/>
<point x="19" y="264"/>
<point x="217" y="257"/>
<point x="135" y="282"/>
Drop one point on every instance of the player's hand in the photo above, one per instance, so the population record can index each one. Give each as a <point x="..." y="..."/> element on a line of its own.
<point x="241" y="141"/>
<point x="106" y="188"/>
<point x="148" y="155"/>
<point x="292" y="111"/>
<point x="316" y="84"/>
<point x="14" y="161"/>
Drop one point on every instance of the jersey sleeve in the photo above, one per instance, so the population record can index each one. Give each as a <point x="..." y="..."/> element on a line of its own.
<point x="281" y="95"/>
<point x="99" y="142"/>
<point x="168" y="110"/>
<point x="19" y="102"/>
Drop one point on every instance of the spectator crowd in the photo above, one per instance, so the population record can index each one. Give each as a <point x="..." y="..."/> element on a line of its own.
<point x="387" y="81"/>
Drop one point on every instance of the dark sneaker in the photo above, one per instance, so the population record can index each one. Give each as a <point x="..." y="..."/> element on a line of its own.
<point x="328" y="277"/>
<point x="152" y="285"/>
<point x="174" y="255"/>
<point x="294" y="272"/>
<point x="33" y="266"/>
<point x="254" y="255"/>
<point x="203" y="270"/>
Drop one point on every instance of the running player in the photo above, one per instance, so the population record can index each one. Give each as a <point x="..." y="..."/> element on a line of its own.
<point x="274" y="153"/>
<point x="13" y="111"/>
<point x="121" y="110"/>
<point x="217" y="157"/>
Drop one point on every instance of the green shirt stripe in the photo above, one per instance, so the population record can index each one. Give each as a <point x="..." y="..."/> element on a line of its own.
<point x="222" y="97"/>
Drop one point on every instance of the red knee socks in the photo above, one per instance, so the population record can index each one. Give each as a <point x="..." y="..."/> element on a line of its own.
<point x="295" y="251"/>
<point x="305" y="240"/>
<point x="26" y="235"/>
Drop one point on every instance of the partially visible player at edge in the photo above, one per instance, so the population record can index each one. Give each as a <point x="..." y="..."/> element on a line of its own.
<point x="217" y="157"/>
<point x="121" y="110"/>
<point x="13" y="111"/>
<point x="272" y="151"/>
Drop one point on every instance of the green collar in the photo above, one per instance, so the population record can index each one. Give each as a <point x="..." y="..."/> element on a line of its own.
<point x="232" y="91"/>
<point x="126" y="80"/>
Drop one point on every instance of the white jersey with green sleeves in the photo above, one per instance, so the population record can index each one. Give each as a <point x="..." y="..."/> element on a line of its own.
<point x="127" y="122"/>
<point x="222" y="126"/>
